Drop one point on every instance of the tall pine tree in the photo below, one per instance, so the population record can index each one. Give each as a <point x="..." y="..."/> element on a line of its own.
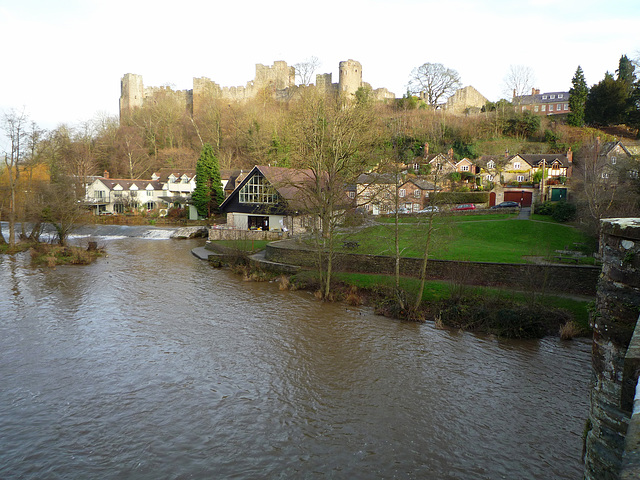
<point x="208" y="194"/>
<point x="577" y="98"/>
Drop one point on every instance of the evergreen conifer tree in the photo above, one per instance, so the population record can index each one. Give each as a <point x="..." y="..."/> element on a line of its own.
<point x="208" y="194"/>
<point x="577" y="98"/>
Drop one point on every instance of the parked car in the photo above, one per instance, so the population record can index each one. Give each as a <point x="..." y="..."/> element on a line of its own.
<point x="400" y="210"/>
<point x="465" y="206"/>
<point x="507" y="205"/>
<point x="430" y="209"/>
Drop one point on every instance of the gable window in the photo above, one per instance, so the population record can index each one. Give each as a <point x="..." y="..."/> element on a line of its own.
<point x="99" y="193"/>
<point x="491" y="164"/>
<point x="605" y="175"/>
<point x="465" y="168"/>
<point x="416" y="193"/>
<point x="352" y="194"/>
<point x="257" y="190"/>
<point x="516" y="165"/>
<point x="402" y="192"/>
<point x="613" y="160"/>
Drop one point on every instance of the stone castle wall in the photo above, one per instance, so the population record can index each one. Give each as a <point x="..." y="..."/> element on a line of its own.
<point x="277" y="80"/>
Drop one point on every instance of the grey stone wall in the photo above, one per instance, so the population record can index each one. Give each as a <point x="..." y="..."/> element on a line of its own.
<point x="580" y="280"/>
<point x="614" y="323"/>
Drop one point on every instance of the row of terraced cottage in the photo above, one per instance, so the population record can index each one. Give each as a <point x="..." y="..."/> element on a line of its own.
<point x="269" y="198"/>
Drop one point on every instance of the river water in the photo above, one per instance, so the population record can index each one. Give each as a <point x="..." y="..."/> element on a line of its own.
<point x="151" y="364"/>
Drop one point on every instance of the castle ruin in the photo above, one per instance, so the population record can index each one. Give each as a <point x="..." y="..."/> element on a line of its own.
<point x="277" y="80"/>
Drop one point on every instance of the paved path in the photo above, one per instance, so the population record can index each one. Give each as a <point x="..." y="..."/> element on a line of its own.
<point x="525" y="213"/>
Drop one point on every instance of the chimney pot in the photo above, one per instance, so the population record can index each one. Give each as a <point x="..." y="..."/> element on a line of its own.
<point x="106" y="174"/>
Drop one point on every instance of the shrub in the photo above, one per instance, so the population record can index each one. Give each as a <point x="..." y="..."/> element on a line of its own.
<point x="564" y="212"/>
<point x="545" y="208"/>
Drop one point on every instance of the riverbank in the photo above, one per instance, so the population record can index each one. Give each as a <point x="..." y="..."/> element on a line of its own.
<point x="449" y="303"/>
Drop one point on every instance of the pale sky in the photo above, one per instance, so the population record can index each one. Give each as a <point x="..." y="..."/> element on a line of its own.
<point x="63" y="59"/>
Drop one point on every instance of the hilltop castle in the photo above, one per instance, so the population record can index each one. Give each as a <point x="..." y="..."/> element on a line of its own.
<point x="278" y="79"/>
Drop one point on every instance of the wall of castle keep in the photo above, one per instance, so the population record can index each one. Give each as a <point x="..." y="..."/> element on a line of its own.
<point x="616" y="355"/>
<point x="278" y="79"/>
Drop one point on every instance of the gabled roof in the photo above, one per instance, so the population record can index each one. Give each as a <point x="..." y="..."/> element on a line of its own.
<point x="536" y="160"/>
<point x="126" y="184"/>
<point x="421" y="183"/>
<point x="375" y="178"/>
<point x="540" y="98"/>
<point x="286" y="182"/>
<point x="608" y="147"/>
<point x="164" y="173"/>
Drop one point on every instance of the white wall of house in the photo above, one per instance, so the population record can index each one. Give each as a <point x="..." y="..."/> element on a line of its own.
<point x="240" y="221"/>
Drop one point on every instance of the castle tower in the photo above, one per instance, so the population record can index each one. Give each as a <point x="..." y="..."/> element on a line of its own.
<point x="350" y="77"/>
<point x="131" y="94"/>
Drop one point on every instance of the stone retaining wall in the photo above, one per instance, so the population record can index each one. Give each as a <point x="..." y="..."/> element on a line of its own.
<point x="580" y="280"/>
<point x="235" y="234"/>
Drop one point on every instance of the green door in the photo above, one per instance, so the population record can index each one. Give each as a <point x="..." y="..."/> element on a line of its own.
<point x="558" y="194"/>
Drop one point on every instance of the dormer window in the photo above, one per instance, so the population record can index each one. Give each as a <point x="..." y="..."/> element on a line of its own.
<point x="544" y="97"/>
<point x="560" y="95"/>
<point x="552" y="97"/>
<point x="491" y="164"/>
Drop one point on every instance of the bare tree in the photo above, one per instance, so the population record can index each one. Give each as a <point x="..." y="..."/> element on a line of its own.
<point x="433" y="81"/>
<point x="14" y="125"/>
<point x="306" y="69"/>
<point x="519" y="81"/>
<point x="329" y="140"/>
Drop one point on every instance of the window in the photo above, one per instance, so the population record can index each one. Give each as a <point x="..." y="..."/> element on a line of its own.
<point x="520" y="178"/>
<point x="535" y="108"/>
<point x="560" y="95"/>
<point x="489" y="178"/>
<point x="99" y="193"/>
<point x="551" y="108"/>
<point x="543" y="108"/>
<point x="551" y="97"/>
<point x="524" y="108"/>
<point x="117" y="194"/>
<point x="491" y="164"/>
<point x="416" y="166"/>
<point x="133" y="193"/>
<point x="352" y="194"/>
<point x="118" y="208"/>
<point x="185" y="179"/>
<point x="613" y="160"/>
<point x="402" y="192"/>
<point x="605" y="175"/>
<point x="465" y="168"/>
<point x="149" y="193"/>
<point x="566" y="106"/>
<point x="559" y="107"/>
<point x="544" y="97"/>
<point x="257" y="190"/>
<point x="150" y="205"/>
<point x="416" y="193"/>
<point x="516" y="165"/>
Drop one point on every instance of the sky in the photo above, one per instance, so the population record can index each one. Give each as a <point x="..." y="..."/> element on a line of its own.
<point x="63" y="59"/>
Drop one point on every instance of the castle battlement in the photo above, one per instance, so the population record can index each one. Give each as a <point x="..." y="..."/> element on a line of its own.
<point x="278" y="78"/>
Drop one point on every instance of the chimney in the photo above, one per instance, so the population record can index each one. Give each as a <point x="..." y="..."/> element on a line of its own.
<point x="451" y="153"/>
<point x="426" y="150"/>
<point x="506" y="153"/>
<point x="569" y="155"/>
<point x="533" y="91"/>
<point x="514" y="93"/>
<point x="106" y="174"/>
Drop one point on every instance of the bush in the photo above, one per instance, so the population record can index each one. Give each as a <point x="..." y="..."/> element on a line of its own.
<point x="564" y="212"/>
<point x="545" y="208"/>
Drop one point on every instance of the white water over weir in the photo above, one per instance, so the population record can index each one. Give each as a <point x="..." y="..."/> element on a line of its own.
<point x="150" y="363"/>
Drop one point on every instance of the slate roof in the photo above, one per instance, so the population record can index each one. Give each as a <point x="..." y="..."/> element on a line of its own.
<point x="126" y="184"/>
<point x="539" y="98"/>
<point x="164" y="173"/>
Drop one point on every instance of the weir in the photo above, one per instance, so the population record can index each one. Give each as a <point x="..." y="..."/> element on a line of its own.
<point x="613" y="436"/>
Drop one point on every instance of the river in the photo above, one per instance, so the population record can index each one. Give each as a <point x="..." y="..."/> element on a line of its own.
<point x="151" y="364"/>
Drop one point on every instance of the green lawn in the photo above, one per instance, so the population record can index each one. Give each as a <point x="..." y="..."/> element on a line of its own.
<point x="460" y="238"/>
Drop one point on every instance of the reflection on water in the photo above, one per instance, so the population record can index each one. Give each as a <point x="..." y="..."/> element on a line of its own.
<point x="151" y="364"/>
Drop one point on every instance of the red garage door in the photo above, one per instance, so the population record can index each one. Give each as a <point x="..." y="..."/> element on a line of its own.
<point x="522" y="197"/>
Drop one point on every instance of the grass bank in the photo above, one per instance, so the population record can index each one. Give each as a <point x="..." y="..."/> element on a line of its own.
<point x="44" y="254"/>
